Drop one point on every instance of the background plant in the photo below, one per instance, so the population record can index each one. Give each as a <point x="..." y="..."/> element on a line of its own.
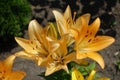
<point x="14" y="16"/>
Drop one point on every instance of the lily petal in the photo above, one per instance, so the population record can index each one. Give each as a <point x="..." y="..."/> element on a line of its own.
<point x="86" y="17"/>
<point x="54" y="46"/>
<point x="70" y="57"/>
<point x="74" y="33"/>
<point x="91" y="75"/>
<point x="93" y="55"/>
<point x="78" y="23"/>
<point x="30" y="46"/>
<point x="8" y="63"/>
<point x="81" y="62"/>
<point x="83" y="31"/>
<point x="93" y="28"/>
<point x="64" y="67"/>
<point x="62" y="50"/>
<point x="80" y="55"/>
<point x="39" y="59"/>
<point x="51" y="69"/>
<point x="91" y="32"/>
<point x="26" y="55"/>
<point x="76" y="75"/>
<point x="61" y="23"/>
<point x="86" y="36"/>
<point x="2" y="68"/>
<point x="68" y="16"/>
<point x="99" y="43"/>
<point x="35" y="30"/>
<point x="96" y="57"/>
<point x="26" y="44"/>
<point x="17" y="75"/>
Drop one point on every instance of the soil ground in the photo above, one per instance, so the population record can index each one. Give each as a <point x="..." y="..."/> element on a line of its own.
<point x="107" y="10"/>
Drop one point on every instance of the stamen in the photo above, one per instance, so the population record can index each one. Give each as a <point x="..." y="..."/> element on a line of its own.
<point x="74" y="16"/>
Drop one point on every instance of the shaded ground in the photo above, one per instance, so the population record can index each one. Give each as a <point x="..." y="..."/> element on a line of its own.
<point x="107" y="10"/>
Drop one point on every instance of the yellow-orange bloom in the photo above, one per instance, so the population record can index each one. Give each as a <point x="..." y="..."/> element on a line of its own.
<point x="49" y="49"/>
<point x="58" y="60"/>
<point x="85" y="38"/>
<point x="6" y="72"/>
<point x="45" y="48"/>
<point x="87" y="42"/>
<point x="39" y="46"/>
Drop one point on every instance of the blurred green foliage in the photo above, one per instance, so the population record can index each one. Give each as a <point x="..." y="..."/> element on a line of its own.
<point x="14" y="16"/>
<point x="118" y="64"/>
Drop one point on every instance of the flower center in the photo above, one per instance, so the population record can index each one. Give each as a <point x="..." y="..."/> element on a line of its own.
<point x="59" y="61"/>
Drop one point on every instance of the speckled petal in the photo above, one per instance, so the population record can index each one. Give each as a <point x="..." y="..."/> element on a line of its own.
<point x="26" y="44"/>
<point x="99" y="43"/>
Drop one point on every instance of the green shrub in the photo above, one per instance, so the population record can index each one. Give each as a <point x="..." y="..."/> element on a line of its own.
<point x="14" y="16"/>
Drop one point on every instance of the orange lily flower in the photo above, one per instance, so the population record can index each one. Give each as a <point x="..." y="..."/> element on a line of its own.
<point x="86" y="41"/>
<point x="59" y="59"/>
<point x="6" y="72"/>
<point x="39" y="46"/>
<point x="77" y="75"/>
